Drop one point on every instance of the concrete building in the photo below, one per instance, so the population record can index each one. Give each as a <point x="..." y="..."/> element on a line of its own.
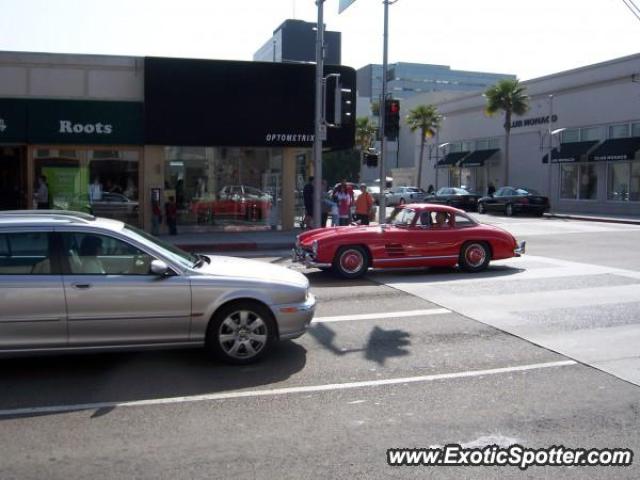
<point x="595" y="114"/>
<point x="229" y="142"/>
<point x="295" y="41"/>
<point x="405" y="80"/>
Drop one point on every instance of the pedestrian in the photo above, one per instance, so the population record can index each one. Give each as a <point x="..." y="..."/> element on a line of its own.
<point x="430" y="190"/>
<point x="307" y="197"/>
<point x="364" y="204"/>
<point x="344" y="201"/>
<point x="491" y="190"/>
<point x="42" y="193"/>
<point x="171" y="212"/>
<point x="156" y="217"/>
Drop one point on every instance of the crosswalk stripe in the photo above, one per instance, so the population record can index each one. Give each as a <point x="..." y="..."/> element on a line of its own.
<point x="382" y="315"/>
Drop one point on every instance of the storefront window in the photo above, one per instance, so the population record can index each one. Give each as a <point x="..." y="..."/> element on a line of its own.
<point x="224" y="188"/>
<point x="482" y="145"/>
<point x="624" y="181"/>
<point x="568" y="181"/>
<point x="635" y="130"/>
<point x="102" y="182"/>
<point x="588" y="182"/>
<point x="494" y="143"/>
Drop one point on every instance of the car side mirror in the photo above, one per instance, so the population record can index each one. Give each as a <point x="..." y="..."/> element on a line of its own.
<point x="158" y="267"/>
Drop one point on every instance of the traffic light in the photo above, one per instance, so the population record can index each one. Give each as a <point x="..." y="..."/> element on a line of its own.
<point x="339" y="106"/>
<point x="391" y="118"/>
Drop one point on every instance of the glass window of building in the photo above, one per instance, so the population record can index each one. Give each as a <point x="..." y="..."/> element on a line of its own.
<point x="635" y="130"/>
<point x="571" y="135"/>
<point x="482" y="145"/>
<point x="568" y="181"/>
<point x="619" y="131"/>
<point x="224" y="188"/>
<point x="623" y="183"/>
<point x="467" y="146"/>
<point x="588" y="188"/>
<point x="103" y="182"/>
<point x="591" y="133"/>
<point x="494" y="142"/>
<point x="455" y="147"/>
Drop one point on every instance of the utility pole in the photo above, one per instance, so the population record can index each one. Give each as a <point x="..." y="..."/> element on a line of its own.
<point x="320" y="128"/>
<point x="382" y="215"/>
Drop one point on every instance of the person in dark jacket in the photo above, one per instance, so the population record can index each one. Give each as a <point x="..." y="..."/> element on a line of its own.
<point x="307" y="197"/>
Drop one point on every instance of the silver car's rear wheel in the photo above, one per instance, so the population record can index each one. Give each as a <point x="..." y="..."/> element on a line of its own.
<point x="241" y="332"/>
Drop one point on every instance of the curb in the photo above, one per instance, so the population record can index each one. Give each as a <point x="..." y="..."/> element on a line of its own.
<point x="626" y="221"/>
<point x="234" y="247"/>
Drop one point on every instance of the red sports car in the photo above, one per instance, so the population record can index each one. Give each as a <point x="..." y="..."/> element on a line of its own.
<point x="416" y="235"/>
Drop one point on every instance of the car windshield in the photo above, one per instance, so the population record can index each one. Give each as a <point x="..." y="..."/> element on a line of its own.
<point x="168" y="250"/>
<point x="461" y="191"/>
<point x="526" y="191"/>
<point x="401" y="216"/>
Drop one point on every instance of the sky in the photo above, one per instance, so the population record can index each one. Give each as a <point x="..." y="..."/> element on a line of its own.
<point x="523" y="37"/>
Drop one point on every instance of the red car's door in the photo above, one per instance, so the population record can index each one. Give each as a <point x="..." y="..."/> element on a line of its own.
<point x="436" y="239"/>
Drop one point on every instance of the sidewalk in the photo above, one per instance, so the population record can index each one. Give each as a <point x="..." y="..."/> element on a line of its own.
<point x="284" y="240"/>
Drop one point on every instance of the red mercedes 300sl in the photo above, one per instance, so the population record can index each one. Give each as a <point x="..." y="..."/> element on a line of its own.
<point x="416" y="235"/>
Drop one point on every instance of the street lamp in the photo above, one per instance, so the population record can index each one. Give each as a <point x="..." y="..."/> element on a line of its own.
<point x="435" y="166"/>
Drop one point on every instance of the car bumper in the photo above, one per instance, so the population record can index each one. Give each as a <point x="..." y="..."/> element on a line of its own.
<point x="294" y="319"/>
<point x="299" y="255"/>
<point x="520" y="249"/>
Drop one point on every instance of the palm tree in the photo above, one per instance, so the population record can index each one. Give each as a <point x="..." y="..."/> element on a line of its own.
<point x="509" y="97"/>
<point x="426" y="119"/>
<point x="365" y="134"/>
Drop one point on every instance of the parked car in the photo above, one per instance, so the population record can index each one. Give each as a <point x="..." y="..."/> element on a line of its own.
<point x="401" y="195"/>
<point x="416" y="235"/>
<point x="94" y="284"/>
<point x="456" y="197"/>
<point x="236" y="201"/>
<point x="512" y="200"/>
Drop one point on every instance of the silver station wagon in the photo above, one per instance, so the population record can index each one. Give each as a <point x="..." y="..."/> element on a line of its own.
<point x="73" y="282"/>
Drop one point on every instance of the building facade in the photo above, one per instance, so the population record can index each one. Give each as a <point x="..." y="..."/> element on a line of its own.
<point x="225" y="143"/>
<point x="295" y="41"/>
<point x="588" y="118"/>
<point x="405" y="80"/>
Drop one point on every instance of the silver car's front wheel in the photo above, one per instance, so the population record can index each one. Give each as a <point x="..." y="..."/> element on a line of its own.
<point x="241" y="333"/>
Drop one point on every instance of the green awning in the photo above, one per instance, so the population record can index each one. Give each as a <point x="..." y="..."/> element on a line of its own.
<point x="570" y="152"/>
<point x="451" y="159"/>
<point x="478" y="157"/>
<point x="616" y="149"/>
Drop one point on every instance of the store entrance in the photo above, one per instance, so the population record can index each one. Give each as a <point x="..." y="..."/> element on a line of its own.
<point x="13" y="182"/>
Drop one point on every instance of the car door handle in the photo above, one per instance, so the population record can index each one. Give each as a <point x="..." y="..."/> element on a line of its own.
<point x="81" y="286"/>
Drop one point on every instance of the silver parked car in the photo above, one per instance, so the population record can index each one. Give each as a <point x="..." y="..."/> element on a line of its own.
<point x="401" y="195"/>
<point x="73" y="282"/>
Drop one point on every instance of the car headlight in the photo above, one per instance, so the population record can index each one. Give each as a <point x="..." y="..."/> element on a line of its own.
<point x="314" y="247"/>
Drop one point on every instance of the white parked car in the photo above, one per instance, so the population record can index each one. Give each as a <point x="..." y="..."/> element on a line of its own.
<point x="401" y="195"/>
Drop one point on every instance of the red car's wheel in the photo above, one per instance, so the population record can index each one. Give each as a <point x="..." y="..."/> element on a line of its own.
<point x="474" y="256"/>
<point x="351" y="262"/>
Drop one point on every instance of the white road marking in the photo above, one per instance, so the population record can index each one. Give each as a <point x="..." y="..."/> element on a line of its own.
<point x="281" y="391"/>
<point x="375" y="316"/>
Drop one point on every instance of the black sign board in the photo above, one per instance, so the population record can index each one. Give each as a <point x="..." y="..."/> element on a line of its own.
<point x="13" y="121"/>
<point x="230" y="103"/>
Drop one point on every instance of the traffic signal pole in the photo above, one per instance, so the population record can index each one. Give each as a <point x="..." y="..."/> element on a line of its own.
<point x="382" y="214"/>
<point x="319" y="126"/>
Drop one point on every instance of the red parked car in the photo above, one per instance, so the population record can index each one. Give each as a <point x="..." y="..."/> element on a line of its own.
<point x="416" y="235"/>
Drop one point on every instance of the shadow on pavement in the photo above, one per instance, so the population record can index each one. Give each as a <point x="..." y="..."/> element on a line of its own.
<point x="382" y="344"/>
<point x="122" y="377"/>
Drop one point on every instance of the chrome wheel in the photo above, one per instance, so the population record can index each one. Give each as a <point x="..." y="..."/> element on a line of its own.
<point x="481" y="208"/>
<point x="351" y="262"/>
<point x="508" y="210"/>
<point x="475" y="256"/>
<point x="243" y="334"/>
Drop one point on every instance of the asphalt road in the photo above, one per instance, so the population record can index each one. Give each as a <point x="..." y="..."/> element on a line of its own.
<point x="412" y="359"/>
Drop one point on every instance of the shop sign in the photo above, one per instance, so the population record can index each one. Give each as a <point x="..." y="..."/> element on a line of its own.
<point x="13" y="119"/>
<point x="530" y="122"/>
<point x="288" y="138"/>
<point x="85" y="122"/>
